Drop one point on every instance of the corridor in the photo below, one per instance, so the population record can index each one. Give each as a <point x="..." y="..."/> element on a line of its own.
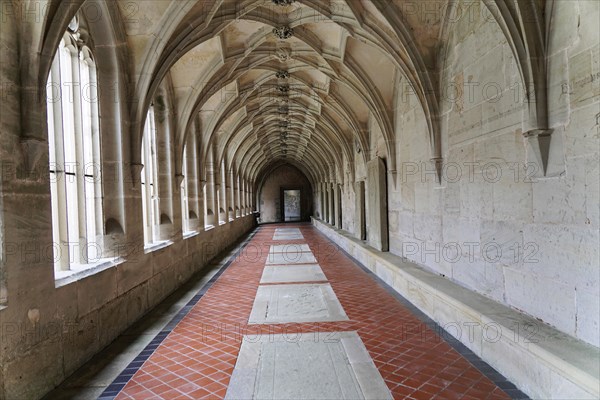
<point x="290" y="316"/>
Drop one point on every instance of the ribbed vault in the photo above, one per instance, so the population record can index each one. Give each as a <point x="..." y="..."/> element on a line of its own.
<point x="303" y="83"/>
<point x="309" y="82"/>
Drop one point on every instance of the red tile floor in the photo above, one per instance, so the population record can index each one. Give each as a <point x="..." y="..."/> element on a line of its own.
<point x="196" y="360"/>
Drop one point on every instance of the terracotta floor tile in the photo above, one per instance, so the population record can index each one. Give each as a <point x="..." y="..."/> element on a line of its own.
<point x="197" y="358"/>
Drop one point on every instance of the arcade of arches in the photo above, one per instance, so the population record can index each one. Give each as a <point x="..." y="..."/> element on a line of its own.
<point x="449" y="147"/>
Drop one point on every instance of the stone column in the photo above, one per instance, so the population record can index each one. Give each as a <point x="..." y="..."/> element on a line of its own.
<point x="192" y="185"/>
<point x="222" y="194"/>
<point x="331" y="204"/>
<point x="251" y="196"/>
<point x="338" y="204"/>
<point x="316" y="201"/>
<point x="325" y="203"/>
<point x="336" y="208"/>
<point x="245" y="195"/>
<point x="229" y="204"/>
<point x="201" y="205"/>
<point x="242" y="196"/>
<point x="211" y="199"/>
<point x="236" y="195"/>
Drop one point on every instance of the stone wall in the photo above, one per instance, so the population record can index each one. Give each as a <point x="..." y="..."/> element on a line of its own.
<point x="500" y="221"/>
<point x="541" y="361"/>
<point x="49" y="331"/>
<point x="495" y="224"/>
<point x="49" y="327"/>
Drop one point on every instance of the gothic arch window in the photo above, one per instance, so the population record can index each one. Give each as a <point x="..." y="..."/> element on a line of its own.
<point x="149" y="181"/>
<point x="74" y="152"/>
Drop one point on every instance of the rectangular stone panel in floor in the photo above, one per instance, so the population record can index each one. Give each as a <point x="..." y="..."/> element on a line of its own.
<point x="280" y="304"/>
<point x="293" y="273"/>
<point x="334" y="365"/>
<point x="288" y="236"/>
<point x="289" y="248"/>
<point x="291" y="258"/>
<point x="287" y="230"/>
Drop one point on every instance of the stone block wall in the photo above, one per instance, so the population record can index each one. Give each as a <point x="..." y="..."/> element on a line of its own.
<point x="495" y="225"/>
<point x="50" y="328"/>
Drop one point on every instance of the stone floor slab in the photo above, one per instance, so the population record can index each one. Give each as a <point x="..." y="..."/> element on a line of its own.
<point x="287" y="230"/>
<point x="289" y="248"/>
<point x="334" y="365"/>
<point x="288" y="236"/>
<point x="293" y="273"/>
<point x="279" y="304"/>
<point x="291" y="258"/>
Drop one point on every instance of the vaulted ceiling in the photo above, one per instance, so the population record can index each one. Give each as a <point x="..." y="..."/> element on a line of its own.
<point x="299" y="81"/>
<point x="262" y="82"/>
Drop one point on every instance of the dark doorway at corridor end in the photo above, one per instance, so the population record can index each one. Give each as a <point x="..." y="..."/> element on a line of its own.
<point x="292" y="211"/>
<point x="285" y="195"/>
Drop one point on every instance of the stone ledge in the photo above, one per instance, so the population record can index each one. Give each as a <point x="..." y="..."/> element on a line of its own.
<point x="190" y="234"/>
<point x="158" y="245"/>
<point x="79" y="272"/>
<point x="540" y="360"/>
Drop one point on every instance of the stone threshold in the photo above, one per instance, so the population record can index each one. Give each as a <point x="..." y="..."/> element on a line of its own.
<point x="540" y="360"/>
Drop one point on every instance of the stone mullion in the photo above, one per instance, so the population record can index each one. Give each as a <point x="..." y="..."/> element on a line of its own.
<point x="59" y="224"/>
<point x="192" y="183"/>
<point x="80" y="253"/>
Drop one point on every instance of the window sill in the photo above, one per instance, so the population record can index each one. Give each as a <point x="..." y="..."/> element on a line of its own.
<point x="149" y="248"/>
<point x="209" y="227"/>
<point x="187" y="235"/>
<point x="80" y="271"/>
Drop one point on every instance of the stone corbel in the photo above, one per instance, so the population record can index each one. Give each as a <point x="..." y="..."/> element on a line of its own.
<point x="394" y="176"/>
<point x="438" y="164"/>
<point x="178" y="180"/>
<point x="33" y="151"/>
<point x="538" y="150"/>
<point x="136" y="170"/>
